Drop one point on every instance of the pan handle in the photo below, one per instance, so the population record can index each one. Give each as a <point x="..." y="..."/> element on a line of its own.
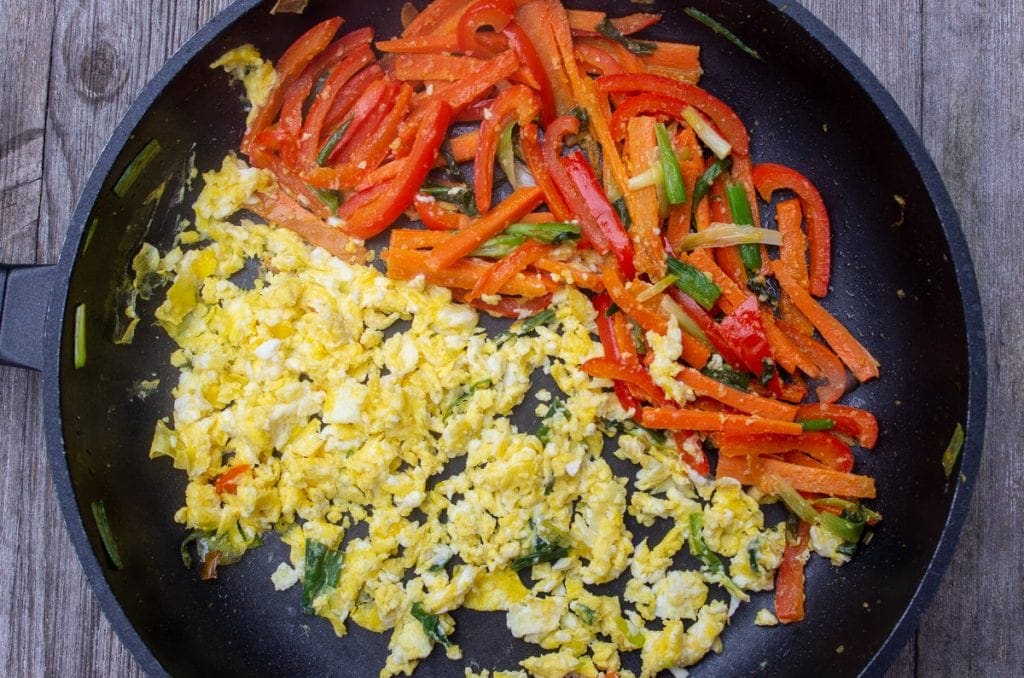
<point x="24" y="297"/>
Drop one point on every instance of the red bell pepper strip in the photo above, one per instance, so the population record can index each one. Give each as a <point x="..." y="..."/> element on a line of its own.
<point x="530" y="144"/>
<point x="768" y="178"/>
<point x="612" y="232"/>
<point x="494" y="13"/>
<point x="824" y="447"/>
<point x="852" y="421"/>
<point x="602" y="302"/>
<point x="710" y="328"/>
<point x="789" y="582"/>
<point x="644" y="104"/>
<point x="374" y="217"/>
<point x="745" y="332"/>
<point x="348" y="95"/>
<point x="289" y="67"/>
<point x="368" y="153"/>
<point x="517" y="103"/>
<point x="519" y="41"/>
<point x="601" y="61"/>
<point x="228" y="481"/>
<point x="437" y="218"/>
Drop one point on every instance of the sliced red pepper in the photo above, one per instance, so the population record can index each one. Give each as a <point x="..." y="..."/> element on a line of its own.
<point x="348" y="95"/>
<point x="744" y="331"/>
<point x="517" y="103"/>
<point x="602" y="303"/>
<point x="519" y="41"/>
<point x="368" y="153"/>
<point x="437" y="218"/>
<point x="612" y="233"/>
<point x="494" y="13"/>
<point x="710" y="328"/>
<point x="530" y="144"/>
<point x="789" y="582"/>
<point x="852" y="421"/>
<point x="288" y="68"/>
<point x="228" y="481"/>
<point x="374" y="217"/>
<point x="824" y="447"/>
<point x="769" y="178"/>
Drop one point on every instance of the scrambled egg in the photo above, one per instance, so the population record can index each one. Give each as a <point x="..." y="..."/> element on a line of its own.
<point x="337" y="397"/>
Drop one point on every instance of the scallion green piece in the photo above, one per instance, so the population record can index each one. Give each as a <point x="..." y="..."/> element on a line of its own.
<point x="709" y="559"/>
<point x="708" y="134"/>
<point x="703" y="185"/>
<point x="847" y="530"/>
<point x="639" y="47"/>
<point x="683" y="319"/>
<point x="652" y="176"/>
<point x="332" y="142"/>
<point x="506" y="155"/>
<point x="548" y="232"/>
<point x="793" y="501"/>
<point x="717" y="27"/>
<point x="952" y="452"/>
<point x="521" y="328"/>
<point x="99" y="513"/>
<point x="672" y="176"/>
<point x="460" y="196"/>
<point x="724" y="235"/>
<point x="430" y="623"/>
<point x="742" y="216"/>
<point x="330" y="199"/>
<point x="499" y="246"/>
<point x="728" y="376"/>
<point x="818" y="424"/>
<point x="135" y="168"/>
<point x="80" y="353"/>
<point x="323" y="567"/>
<point x="464" y="397"/>
<point x="693" y="282"/>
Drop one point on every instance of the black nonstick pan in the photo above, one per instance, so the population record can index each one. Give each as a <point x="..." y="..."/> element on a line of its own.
<point x="903" y="280"/>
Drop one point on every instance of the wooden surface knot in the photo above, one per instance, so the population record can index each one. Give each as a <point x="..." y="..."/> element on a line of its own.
<point x="96" y="70"/>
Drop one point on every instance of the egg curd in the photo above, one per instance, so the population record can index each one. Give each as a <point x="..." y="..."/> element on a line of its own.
<point x="342" y="398"/>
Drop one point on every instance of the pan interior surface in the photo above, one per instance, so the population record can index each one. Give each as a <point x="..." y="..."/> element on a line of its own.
<point x="894" y="286"/>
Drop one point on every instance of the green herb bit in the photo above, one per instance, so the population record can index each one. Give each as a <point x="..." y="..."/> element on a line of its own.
<point x="613" y="308"/>
<point x="135" y="168"/>
<point x="99" y="513"/>
<point x="80" y="347"/>
<point x="952" y="453"/>
<point x="464" y="397"/>
<point x="186" y="557"/>
<point x="548" y="232"/>
<point x="330" y="199"/>
<point x="709" y="559"/>
<point x="741" y="216"/>
<point x="623" y="210"/>
<point x="847" y="530"/>
<point x="580" y="114"/>
<point x="672" y="176"/>
<point x="323" y="567"/>
<point x="506" y="154"/>
<point x="587" y="615"/>
<point x="728" y="376"/>
<point x="431" y="624"/>
<point x="639" y="340"/>
<point x="451" y="166"/>
<point x="711" y="174"/>
<point x="766" y="289"/>
<point x="638" y="47"/>
<point x="328" y="148"/>
<point x="521" y="328"/>
<point x="818" y="424"/>
<point x="543" y="551"/>
<point x="693" y="282"/>
<point x="717" y="27"/>
<point x="848" y="549"/>
<point x="499" y="246"/>
<point x="544" y="430"/>
<point x="752" y="546"/>
<point x="460" y="196"/>
<point x="767" y="371"/>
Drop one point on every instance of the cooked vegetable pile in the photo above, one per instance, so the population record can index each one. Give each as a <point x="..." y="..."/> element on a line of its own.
<point x="547" y="166"/>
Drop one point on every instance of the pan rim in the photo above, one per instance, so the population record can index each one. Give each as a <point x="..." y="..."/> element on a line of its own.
<point x="909" y="140"/>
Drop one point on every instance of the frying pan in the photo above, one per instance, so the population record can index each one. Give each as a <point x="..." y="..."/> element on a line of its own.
<point x="902" y="282"/>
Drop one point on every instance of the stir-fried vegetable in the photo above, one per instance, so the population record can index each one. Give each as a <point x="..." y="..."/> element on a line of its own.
<point x="99" y="514"/>
<point x="323" y="567"/>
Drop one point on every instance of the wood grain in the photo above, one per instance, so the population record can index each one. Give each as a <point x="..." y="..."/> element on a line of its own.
<point x="68" y="71"/>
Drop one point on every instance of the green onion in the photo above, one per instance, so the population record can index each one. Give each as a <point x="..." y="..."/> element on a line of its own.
<point x="90" y="233"/>
<point x="135" y="168"/>
<point x="430" y="623"/>
<point x="847" y="530"/>
<point x="714" y="25"/>
<point x="543" y="551"/>
<point x="323" y="567"/>
<point x="186" y="557"/>
<point x="793" y="501"/>
<point x="725" y="235"/>
<point x="499" y="246"/>
<point x="675" y="189"/>
<point x="639" y="342"/>
<point x="330" y="199"/>
<point x="80" y="336"/>
<point x="464" y="397"/>
<point x="952" y="452"/>
<point x="548" y="232"/>
<point x="544" y="430"/>
<point x="586" y="614"/>
<point x="709" y="559"/>
<point x="703" y="185"/>
<point x="652" y="176"/>
<point x="636" y="638"/>
<point x="451" y="166"/>
<point x="640" y="47"/>
<point x="711" y="138"/>
<point x="620" y="206"/>
<point x="657" y="288"/>
<point x="683" y="319"/>
<point x="460" y="196"/>
<point x="741" y="216"/>
<point x="728" y="376"/>
<point x="506" y="155"/>
<point x="852" y="510"/>
<point x="693" y="282"/>
<point x="99" y="513"/>
<point x="521" y="328"/>
<point x="328" y="148"/>
<point x="818" y="424"/>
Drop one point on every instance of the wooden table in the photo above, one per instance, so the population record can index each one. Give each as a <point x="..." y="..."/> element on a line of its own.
<point x="70" y="69"/>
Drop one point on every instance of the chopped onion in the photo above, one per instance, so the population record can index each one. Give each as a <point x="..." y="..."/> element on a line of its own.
<point x="725" y="235"/>
<point x="711" y="138"/>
